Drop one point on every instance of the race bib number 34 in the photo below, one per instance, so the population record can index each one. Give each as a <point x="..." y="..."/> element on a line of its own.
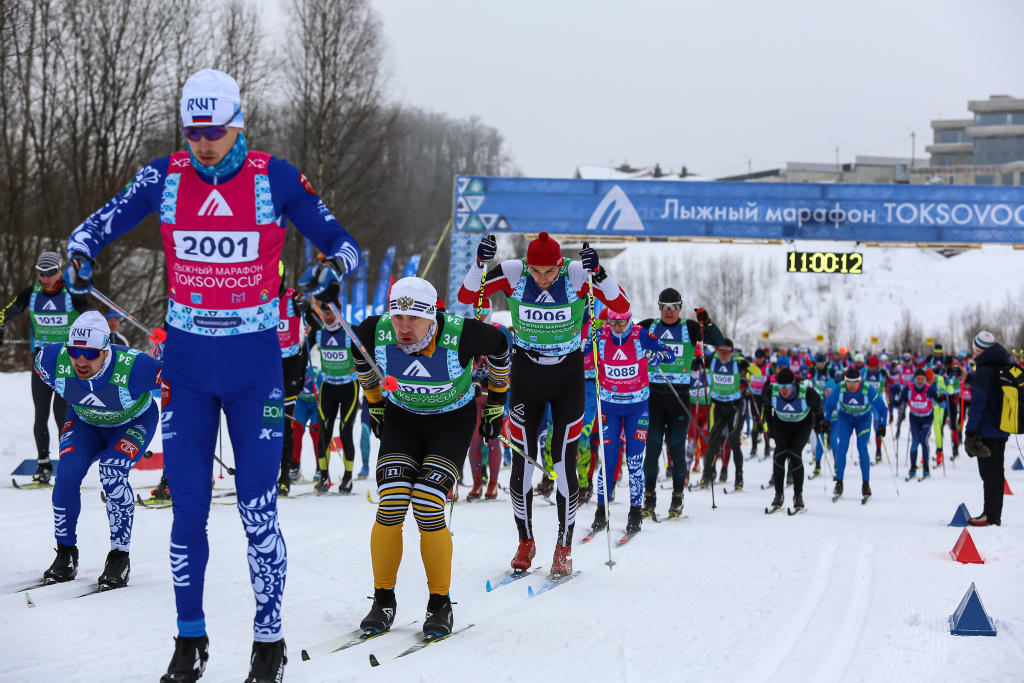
<point x="545" y="315"/>
<point x="217" y="246"/>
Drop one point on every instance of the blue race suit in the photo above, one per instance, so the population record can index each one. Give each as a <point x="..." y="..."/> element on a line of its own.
<point x="850" y="412"/>
<point x="113" y="419"/>
<point x="222" y="237"/>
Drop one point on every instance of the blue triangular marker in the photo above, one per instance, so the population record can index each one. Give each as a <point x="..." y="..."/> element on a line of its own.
<point x="961" y="516"/>
<point x="1018" y="464"/>
<point x="970" y="618"/>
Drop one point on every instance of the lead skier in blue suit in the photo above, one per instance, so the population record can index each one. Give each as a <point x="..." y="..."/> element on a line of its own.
<point x="223" y="211"/>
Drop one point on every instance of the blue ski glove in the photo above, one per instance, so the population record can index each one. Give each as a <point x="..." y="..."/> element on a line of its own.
<point x="323" y="280"/>
<point x="486" y="250"/>
<point x="78" y="274"/>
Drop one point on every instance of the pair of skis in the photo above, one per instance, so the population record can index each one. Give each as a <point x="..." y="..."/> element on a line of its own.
<point x="511" y="576"/>
<point x="414" y="643"/>
<point x="771" y="510"/>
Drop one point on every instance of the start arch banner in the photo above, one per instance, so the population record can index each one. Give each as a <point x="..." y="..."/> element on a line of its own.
<point x="679" y="210"/>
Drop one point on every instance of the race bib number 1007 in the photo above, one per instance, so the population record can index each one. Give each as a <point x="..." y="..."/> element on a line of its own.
<point x="217" y="246"/>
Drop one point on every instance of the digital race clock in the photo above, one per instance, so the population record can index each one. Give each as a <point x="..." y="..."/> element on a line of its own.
<point x="824" y="262"/>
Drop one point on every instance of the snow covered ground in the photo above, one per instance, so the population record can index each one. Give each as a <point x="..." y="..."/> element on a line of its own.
<point x="844" y="593"/>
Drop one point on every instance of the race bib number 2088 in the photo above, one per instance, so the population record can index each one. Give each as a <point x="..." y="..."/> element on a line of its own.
<point x="217" y="246"/>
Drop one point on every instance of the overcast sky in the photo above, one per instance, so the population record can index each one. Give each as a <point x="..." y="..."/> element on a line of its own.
<point x="705" y="84"/>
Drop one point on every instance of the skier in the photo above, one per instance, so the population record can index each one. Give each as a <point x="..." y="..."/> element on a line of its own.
<point x="922" y="396"/>
<point x="759" y="399"/>
<point x="338" y="396"/>
<point x="113" y="420"/>
<point x="792" y="411"/>
<point x="625" y="352"/>
<point x="724" y="423"/>
<point x="306" y="415"/>
<point x="294" y="360"/>
<point x="222" y="210"/>
<point x="875" y="378"/>
<point x="52" y="308"/>
<point x="700" y="407"/>
<point x="424" y="427"/>
<point x="669" y="402"/>
<point x="547" y="294"/>
<point x="823" y="380"/>
<point x="848" y="410"/>
<point x="477" y="444"/>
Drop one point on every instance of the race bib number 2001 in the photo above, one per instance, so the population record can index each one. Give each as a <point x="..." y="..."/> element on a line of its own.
<point x="217" y="246"/>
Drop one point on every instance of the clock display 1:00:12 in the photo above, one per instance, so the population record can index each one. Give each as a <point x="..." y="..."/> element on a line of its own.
<point x="825" y="262"/>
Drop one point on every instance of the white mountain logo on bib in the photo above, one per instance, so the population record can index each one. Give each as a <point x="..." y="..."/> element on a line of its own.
<point x="331" y="341"/>
<point x="616" y="212"/>
<point x="619" y="355"/>
<point x="545" y="298"/>
<point x="49" y="306"/>
<point x="215" y="205"/>
<point x="416" y="370"/>
<point x="666" y="334"/>
<point x="93" y="400"/>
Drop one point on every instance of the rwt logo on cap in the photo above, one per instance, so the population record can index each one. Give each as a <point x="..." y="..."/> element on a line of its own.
<point x="203" y="108"/>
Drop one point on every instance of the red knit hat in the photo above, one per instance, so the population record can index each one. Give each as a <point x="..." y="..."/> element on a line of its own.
<point x="544" y="252"/>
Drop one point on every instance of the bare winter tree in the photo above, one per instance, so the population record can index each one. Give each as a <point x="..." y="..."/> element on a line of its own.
<point x="832" y="322"/>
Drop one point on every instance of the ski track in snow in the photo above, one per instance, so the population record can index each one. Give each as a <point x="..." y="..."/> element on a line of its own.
<point x="845" y="593"/>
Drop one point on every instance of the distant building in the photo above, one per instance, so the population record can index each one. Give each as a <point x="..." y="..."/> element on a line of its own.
<point x="885" y="170"/>
<point x="627" y="172"/>
<point x="985" y="150"/>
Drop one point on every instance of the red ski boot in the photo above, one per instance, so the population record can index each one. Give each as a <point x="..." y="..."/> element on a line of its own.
<point x="561" y="564"/>
<point x="524" y="555"/>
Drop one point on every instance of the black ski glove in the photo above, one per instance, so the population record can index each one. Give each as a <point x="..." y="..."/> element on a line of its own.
<point x="486" y="250"/>
<point x="492" y="419"/>
<point x="300" y="304"/>
<point x="881" y="431"/>
<point x="78" y="274"/>
<point x="588" y="259"/>
<point x="376" y="417"/>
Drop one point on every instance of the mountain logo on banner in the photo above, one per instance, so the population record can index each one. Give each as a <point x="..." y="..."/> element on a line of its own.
<point x="92" y="400"/>
<point x="615" y="212"/>
<point x="545" y="298"/>
<point x="416" y="370"/>
<point x="49" y="306"/>
<point x="215" y="205"/>
<point x="619" y="355"/>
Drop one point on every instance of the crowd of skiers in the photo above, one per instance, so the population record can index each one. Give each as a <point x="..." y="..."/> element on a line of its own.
<point x="570" y="390"/>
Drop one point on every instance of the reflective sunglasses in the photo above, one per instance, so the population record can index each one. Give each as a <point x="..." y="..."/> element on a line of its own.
<point x="785" y="386"/>
<point x="670" y="307"/>
<point x="49" y="272"/>
<point x="90" y="354"/>
<point x="195" y="133"/>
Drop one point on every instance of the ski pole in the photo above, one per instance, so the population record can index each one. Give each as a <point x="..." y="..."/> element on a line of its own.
<point x="891" y="471"/>
<point x="483" y="281"/>
<point x="231" y="470"/>
<point x="529" y="459"/>
<point x="824" y="485"/>
<point x="157" y="335"/>
<point x="600" y="416"/>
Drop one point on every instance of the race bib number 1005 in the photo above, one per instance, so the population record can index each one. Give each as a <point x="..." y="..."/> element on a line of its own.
<point x="217" y="246"/>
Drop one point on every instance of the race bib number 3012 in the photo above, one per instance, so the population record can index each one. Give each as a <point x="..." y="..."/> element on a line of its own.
<point x="217" y="246"/>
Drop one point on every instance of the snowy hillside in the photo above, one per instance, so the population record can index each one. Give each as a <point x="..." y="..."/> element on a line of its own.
<point x="844" y="593"/>
<point x="747" y="288"/>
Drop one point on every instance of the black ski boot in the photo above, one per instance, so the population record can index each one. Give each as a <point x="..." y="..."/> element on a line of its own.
<point x="675" y="508"/>
<point x="162" y="491"/>
<point x="865" y="489"/>
<point x="798" y="501"/>
<point x="649" y="501"/>
<point x="633" y="520"/>
<point x="189" y="660"/>
<point x="738" y="484"/>
<point x="346" y="483"/>
<point x="323" y="483"/>
<point x="266" y="664"/>
<point x="438" y="621"/>
<point x="43" y="472"/>
<point x="116" y="571"/>
<point x="838" y="490"/>
<point x="546" y="487"/>
<point x="724" y="476"/>
<point x="64" y="567"/>
<point x="778" y="501"/>
<point x="284" y="485"/>
<point x="600" y="520"/>
<point x="382" y="613"/>
<point x="878" y="456"/>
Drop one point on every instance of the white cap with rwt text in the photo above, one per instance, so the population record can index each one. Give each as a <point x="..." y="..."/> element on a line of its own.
<point x="211" y="98"/>
<point x="413" y="296"/>
<point x="90" y="331"/>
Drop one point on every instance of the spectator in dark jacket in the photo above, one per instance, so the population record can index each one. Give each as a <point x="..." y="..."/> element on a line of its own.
<point x="984" y="439"/>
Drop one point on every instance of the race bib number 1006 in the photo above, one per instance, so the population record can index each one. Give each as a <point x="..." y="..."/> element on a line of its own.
<point x="217" y="246"/>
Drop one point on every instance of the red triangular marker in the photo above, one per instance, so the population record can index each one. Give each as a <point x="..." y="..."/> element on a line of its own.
<point x="1006" y="488"/>
<point x="965" y="551"/>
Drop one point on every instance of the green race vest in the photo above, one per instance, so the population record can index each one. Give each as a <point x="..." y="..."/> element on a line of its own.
<point x="724" y="379"/>
<point x="426" y="385"/>
<point x="790" y="415"/>
<point x="677" y="372"/>
<point x="547" y="322"/>
<point x="104" y="417"/>
<point x="51" y="327"/>
<point x="336" y="361"/>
